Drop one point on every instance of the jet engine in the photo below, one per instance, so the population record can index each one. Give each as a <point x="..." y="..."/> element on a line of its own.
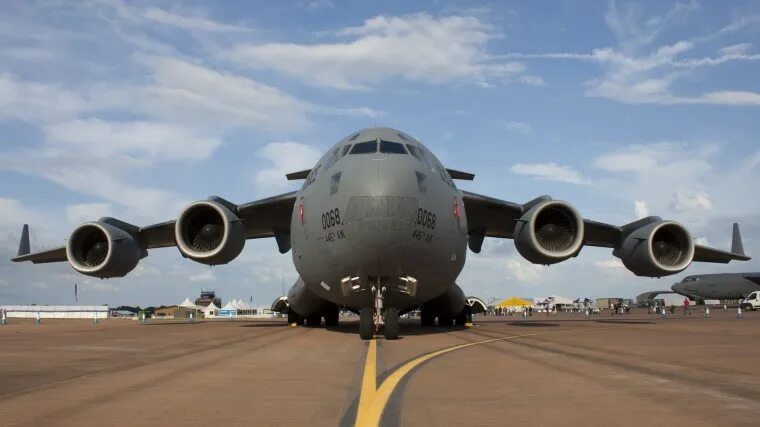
<point x="551" y="231"/>
<point x="102" y="250"/>
<point x="659" y="249"/>
<point x="209" y="232"/>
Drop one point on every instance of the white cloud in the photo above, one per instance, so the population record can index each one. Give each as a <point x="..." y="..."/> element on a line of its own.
<point x="519" y="127"/>
<point x="701" y="241"/>
<point x="319" y="4"/>
<point x="691" y="201"/>
<point x="193" y="93"/>
<point x="285" y="157"/>
<point x="417" y="47"/>
<point x="735" y="49"/>
<point x="640" y="209"/>
<point x="77" y="214"/>
<point x="637" y="158"/>
<point x="14" y="213"/>
<point x="524" y="271"/>
<point x="550" y="172"/>
<point x="151" y="140"/>
<point x="204" y="276"/>
<point x="610" y="264"/>
<point x="633" y="30"/>
<point x="190" y="23"/>
<point x="636" y="72"/>
<point x="37" y="102"/>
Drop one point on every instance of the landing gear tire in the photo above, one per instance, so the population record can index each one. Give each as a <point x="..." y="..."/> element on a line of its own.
<point x="314" y="321"/>
<point x="445" y="321"/>
<point x="461" y="318"/>
<point x="391" y="323"/>
<point x="427" y="319"/>
<point x="294" y="318"/>
<point x="331" y="317"/>
<point x="366" y="323"/>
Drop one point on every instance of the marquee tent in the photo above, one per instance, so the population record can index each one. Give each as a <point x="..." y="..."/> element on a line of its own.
<point x="514" y="302"/>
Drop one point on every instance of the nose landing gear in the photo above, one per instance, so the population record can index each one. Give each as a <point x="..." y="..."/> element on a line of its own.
<point x="371" y="320"/>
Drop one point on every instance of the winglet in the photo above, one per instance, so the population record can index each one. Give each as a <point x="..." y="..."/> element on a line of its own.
<point x="23" y="245"/>
<point x="736" y="241"/>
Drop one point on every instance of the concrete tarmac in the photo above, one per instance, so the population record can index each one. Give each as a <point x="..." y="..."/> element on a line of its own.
<point x="567" y="369"/>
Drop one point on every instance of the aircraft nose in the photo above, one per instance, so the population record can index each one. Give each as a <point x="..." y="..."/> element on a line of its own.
<point x="677" y="287"/>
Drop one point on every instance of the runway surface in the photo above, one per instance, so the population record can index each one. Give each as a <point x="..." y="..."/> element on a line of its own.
<point x="567" y="369"/>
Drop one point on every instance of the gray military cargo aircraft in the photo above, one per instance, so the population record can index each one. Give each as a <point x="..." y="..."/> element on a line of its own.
<point x="718" y="286"/>
<point x="378" y="227"/>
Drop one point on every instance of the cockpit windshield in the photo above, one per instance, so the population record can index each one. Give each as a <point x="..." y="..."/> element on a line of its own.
<point x="389" y="147"/>
<point x="364" y="147"/>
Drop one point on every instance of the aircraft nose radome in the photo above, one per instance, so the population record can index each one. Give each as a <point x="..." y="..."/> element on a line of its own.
<point x="677" y="287"/>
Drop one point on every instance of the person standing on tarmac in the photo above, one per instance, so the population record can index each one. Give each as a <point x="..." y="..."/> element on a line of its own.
<point x="685" y="306"/>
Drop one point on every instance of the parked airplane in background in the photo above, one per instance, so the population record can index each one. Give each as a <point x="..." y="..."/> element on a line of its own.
<point x="718" y="286"/>
<point x="379" y="227"/>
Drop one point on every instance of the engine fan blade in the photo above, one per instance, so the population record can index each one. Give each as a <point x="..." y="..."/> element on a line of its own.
<point x="96" y="254"/>
<point x="207" y="238"/>
<point x="666" y="253"/>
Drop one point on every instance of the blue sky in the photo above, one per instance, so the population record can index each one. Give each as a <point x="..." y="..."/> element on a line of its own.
<point x="134" y="109"/>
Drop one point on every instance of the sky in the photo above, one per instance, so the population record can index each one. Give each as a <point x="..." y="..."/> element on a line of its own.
<point x="135" y="109"/>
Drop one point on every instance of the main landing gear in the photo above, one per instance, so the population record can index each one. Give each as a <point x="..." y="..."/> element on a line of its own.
<point x="370" y="320"/>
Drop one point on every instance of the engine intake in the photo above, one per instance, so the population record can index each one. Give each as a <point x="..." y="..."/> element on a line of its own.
<point x="102" y="250"/>
<point x="658" y="249"/>
<point x="550" y="232"/>
<point x="209" y="232"/>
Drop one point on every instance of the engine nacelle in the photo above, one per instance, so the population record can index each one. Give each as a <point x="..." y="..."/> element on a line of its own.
<point x="658" y="249"/>
<point x="102" y="250"/>
<point x="209" y="232"/>
<point x="550" y="232"/>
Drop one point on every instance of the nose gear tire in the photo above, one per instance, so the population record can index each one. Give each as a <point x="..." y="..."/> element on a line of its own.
<point x="391" y="323"/>
<point x="366" y="323"/>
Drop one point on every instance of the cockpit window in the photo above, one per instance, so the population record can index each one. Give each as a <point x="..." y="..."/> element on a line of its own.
<point x="345" y="150"/>
<point x="413" y="151"/>
<point x="389" y="147"/>
<point x="365" y="147"/>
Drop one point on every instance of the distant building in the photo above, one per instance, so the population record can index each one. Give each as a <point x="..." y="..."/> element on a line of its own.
<point x="207" y="297"/>
<point x="175" y="312"/>
<point x="606" y="303"/>
<point x="57" y="311"/>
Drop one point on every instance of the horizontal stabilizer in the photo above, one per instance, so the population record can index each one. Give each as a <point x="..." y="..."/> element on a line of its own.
<point x="455" y="174"/>
<point x="293" y="176"/>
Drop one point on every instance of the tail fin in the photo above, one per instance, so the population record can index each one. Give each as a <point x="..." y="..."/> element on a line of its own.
<point x="23" y="245"/>
<point x="736" y="241"/>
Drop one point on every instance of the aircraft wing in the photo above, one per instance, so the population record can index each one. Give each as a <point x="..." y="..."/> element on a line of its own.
<point x="268" y="217"/>
<point x="491" y="217"/>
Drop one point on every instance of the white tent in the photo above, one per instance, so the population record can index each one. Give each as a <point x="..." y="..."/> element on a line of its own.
<point x="561" y="300"/>
<point x="211" y="310"/>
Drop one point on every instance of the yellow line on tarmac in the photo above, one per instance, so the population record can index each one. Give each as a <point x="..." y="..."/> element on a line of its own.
<point x="372" y="400"/>
<point x="369" y="379"/>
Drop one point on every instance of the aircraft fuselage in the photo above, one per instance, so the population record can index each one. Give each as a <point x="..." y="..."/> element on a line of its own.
<point x="377" y="209"/>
